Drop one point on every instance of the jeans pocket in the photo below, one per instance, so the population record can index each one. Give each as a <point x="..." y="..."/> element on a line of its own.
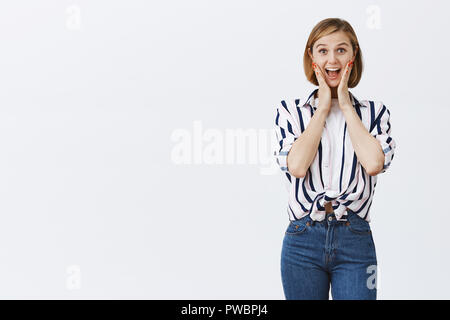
<point x="358" y="225"/>
<point x="297" y="227"/>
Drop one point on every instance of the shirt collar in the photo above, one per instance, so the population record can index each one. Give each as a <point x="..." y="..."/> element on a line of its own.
<point x="355" y="101"/>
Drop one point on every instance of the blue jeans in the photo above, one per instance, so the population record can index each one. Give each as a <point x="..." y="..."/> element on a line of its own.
<point x="317" y="254"/>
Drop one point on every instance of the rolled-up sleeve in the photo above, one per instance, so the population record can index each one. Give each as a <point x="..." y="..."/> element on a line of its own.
<point x="287" y="132"/>
<point x="381" y="130"/>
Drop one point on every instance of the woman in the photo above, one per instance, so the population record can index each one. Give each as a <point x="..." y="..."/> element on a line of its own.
<point x="332" y="147"/>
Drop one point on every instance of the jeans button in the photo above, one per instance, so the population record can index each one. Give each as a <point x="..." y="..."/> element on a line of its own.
<point x="330" y="218"/>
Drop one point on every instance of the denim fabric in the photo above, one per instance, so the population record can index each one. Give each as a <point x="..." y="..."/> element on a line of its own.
<point x="319" y="254"/>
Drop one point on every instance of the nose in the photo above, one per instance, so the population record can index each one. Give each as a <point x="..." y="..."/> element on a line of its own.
<point x="332" y="59"/>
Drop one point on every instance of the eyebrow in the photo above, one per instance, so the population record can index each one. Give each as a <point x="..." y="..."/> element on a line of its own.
<point x="340" y="44"/>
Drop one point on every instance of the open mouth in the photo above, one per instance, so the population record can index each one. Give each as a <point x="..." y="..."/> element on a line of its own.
<point x="333" y="73"/>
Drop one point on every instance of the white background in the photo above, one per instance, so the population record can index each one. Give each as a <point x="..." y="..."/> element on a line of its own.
<point x="93" y="203"/>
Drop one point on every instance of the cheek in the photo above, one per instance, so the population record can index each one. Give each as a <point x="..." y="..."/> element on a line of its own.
<point x="344" y="60"/>
<point x="347" y="59"/>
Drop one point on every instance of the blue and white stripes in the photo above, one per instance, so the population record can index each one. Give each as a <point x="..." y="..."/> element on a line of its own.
<point x="335" y="175"/>
<point x="381" y="130"/>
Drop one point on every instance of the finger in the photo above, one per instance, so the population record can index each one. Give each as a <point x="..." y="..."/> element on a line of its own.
<point x="345" y="75"/>
<point x="348" y="69"/>
<point x="319" y="74"/>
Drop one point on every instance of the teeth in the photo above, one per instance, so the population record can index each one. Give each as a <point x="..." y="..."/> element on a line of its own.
<point x="336" y="69"/>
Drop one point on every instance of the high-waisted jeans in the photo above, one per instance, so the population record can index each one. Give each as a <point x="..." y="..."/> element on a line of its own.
<point x="317" y="254"/>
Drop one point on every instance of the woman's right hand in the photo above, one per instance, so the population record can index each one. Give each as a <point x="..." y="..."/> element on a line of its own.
<point x="324" y="90"/>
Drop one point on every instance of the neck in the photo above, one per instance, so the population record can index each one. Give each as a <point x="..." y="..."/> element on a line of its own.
<point x="334" y="92"/>
<point x="333" y="95"/>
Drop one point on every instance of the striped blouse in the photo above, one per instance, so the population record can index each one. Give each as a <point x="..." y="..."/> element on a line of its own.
<point x="335" y="175"/>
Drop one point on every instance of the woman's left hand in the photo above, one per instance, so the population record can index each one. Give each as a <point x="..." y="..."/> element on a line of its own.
<point x="343" y="94"/>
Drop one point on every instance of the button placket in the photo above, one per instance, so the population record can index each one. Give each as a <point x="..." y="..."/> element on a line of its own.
<point x="326" y="164"/>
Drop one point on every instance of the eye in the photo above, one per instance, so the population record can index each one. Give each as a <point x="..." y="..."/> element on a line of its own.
<point x="338" y="49"/>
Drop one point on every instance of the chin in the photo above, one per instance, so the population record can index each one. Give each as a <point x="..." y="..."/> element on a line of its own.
<point x="333" y="84"/>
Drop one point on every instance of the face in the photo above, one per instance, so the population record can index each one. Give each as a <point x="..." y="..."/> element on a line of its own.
<point x="333" y="51"/>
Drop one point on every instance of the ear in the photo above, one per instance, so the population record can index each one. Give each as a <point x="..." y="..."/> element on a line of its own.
<point x="309" y="53"/>
<point x="356" y="51"/>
